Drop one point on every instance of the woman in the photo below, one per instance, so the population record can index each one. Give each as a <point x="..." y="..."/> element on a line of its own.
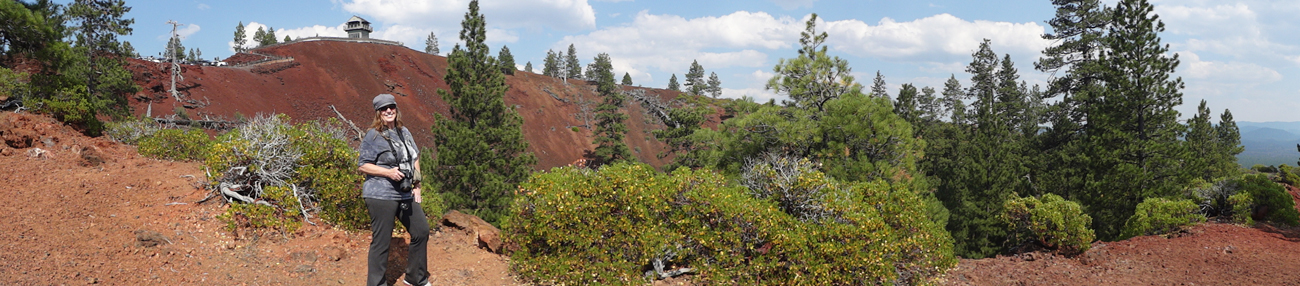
<point x="386" y="150"/>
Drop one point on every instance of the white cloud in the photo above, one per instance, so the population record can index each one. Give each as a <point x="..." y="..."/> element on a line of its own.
<point x="794" y="4"/>
<point x="187" y="30"/>
<point x="934" y="37"/>
<point x="669" y="43"/>
<point x="1226" y="72"/>
<point x="313" y="31"/>
<point x="759" y="95"/>
<point x="204" y="6"/>
<point x="558" y="14"/>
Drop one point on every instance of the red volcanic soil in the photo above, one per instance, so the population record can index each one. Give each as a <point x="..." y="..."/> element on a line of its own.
<point x="347" y="75"/>
<point x="1208" y="254"/>
<point x="91" y="211"/>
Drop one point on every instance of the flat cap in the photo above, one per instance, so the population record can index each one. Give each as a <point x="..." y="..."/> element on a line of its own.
<point x="383" y="99"/>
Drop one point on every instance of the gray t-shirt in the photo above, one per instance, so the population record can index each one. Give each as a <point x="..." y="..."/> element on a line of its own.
<point x="376" y="150"/>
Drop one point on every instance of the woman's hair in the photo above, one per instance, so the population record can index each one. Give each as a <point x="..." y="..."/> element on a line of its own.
<point x="378" y="124"/>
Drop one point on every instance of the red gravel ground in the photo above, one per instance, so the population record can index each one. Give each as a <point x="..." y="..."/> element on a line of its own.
<point x="134" y="221"/>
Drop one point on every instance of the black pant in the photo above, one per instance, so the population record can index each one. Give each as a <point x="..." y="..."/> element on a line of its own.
<point x="382" y="213"/>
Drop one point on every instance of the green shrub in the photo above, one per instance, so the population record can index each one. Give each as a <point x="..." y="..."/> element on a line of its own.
<point x="1160" y="215"/>
<point x="1287" y="175"/>
<point x="575" y="129"/>
<point x="1270" y="199"/>
<point x="312" y="158"/>
<point x="175" y="144"/>
<point x="131" y="131"/>
<point x="618" y="225"/>
<point x="264" y="216"/>
<point x="1052" y="222"/>
<point x="1241" y="208"/>
<point x="1263" y="168"/>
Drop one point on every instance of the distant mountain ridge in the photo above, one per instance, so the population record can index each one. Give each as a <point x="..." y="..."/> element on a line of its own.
<point x="1269" y="143"/>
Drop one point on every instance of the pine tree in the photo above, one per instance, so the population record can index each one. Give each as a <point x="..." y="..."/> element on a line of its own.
<point x="482" y="155"/>
<point x="627" y="79"/>
<point x="695" y="79"/>
<point x="1133" y="131"/>
<point x="812" y="78"/>
<point x="672" y="84"/>
<point x="270" y="38"/>
<point x="240" y="38"/>
<point x="1228" y="138"/>
<point x="191" y="56"/>
<point x="175" y="49"/>
<point x="431" y="44"/>
<point x="286" y="39"/>
<point x="715" y="85"/>
<point x="507" y="61"/>
<point x="95" y="27"/>
<point x="573" y="68"/>
<point x="528" y="66"/>
<point x="551" y="65"/>
<point x="198" y="54"/>
<point x="1202" y="147"/>
<point x="610" y="129"/>
<point x="878" y="86"/>
<point x="260" y="36"/>
<point x="907" y="104"/>
<point x="953" y="100"/>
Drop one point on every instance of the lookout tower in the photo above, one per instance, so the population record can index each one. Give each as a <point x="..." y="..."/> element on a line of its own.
<point x="358" y="28"/>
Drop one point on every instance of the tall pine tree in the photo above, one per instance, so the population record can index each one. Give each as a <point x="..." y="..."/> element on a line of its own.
<point x="627" y="79"/>
<point x="431" y="44"/>
<point x="673" y="85"/>
<point x="1133" y="130"/>
<point x="572" y="68"/>
<point x="506" y="60"/>
<point x="610" y="129"/>
<point x="812" y="78"/>
<point x="878" y="86"/>
<point x="240" y="38"/>
<point x="715" y="85"/>
<point x="482" y="155"/>
<point x="695" y="83"/>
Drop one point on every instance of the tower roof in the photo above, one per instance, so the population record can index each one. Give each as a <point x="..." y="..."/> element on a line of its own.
<point x="357" y="19"/>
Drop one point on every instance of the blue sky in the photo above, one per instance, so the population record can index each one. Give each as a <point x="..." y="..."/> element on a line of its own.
<point x="1236" y="54"/>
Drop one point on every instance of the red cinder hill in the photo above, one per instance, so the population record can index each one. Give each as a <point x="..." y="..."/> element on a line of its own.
<point x="302" y="79"/>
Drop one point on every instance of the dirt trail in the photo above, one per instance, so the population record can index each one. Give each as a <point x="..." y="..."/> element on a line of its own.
<point x="134" y="221"/>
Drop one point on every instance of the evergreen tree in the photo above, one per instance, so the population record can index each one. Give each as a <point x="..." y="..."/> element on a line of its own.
<point x="1229" y="139"/>
<point x="1132" y="130"/>
<point x="573" y="68"/>
<point x="507" y="61"/>
<point x="672" y="84"/>
<point x="715" y="85"/>
<point x="953" y="100"/>
<point x="175" y="49"/>
<point x="286" y="39"/>
<point x="191" y="56"/>
<point x="695" y="79"/>
<point x="431" y="44"/>
<point x="259" y="37"/>
<point x="1202" y="145"/>
<point x="551" y="65"/>
<point x="482" y="155"/>
<point x="528" y="66"/>
<point x="95" y="28"/>
<point x="240" y="38"/>
<point x="610" y="129"/>
<point x="270" y="38"/>
<point x="878" y="86"/>
<point x="812" y="78"/>
<point x="627" y="79"/>
<point x="198" y="54"/>
<point x="992" y="163"/>
<point x="907" y="105"/>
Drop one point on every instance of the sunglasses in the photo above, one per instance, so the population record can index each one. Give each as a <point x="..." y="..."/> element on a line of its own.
<point x="386" y="108"/>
